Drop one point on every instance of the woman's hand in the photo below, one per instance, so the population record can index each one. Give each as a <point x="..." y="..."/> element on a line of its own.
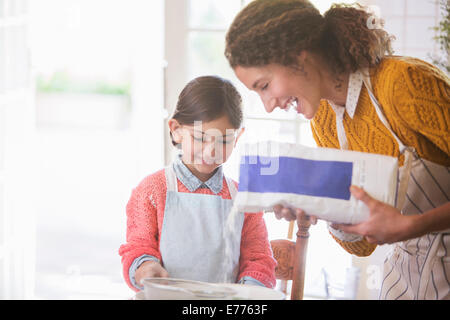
<point x="291" y="214"/>
<point x="385" y="224"/>
<point x="150" y="269"/>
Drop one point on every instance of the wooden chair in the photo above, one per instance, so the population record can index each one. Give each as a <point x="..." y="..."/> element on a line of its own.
<point x="291" y="258"/>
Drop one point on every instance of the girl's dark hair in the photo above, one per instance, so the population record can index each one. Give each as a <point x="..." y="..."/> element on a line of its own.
<point x="276" y="31"/>
<point x="208" y="98"/>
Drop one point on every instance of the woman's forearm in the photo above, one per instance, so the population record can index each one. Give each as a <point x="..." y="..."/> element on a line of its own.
<point x="387" y="225"/>
<point x="435" y="220"/>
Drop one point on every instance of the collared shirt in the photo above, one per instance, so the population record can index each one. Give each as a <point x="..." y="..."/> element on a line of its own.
<point x="355" y="83"/>
<point x="215" y="183"/>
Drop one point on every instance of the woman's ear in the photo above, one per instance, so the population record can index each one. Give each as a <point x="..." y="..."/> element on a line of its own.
<point x="174" y="127"/>
<point x="302" y="56"/>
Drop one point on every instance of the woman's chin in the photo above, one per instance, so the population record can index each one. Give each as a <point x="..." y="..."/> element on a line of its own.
<point x="308" y="116"/>
<point x="307" y="111"/>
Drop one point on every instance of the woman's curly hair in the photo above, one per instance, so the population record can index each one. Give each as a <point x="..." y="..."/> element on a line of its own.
<point x="276" y="31"/>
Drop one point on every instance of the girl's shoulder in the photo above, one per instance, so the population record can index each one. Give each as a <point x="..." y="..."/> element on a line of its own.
<point x="153" y="183"/>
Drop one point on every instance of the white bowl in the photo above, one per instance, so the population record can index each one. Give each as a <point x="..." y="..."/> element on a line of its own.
<point x="180" y="289"/>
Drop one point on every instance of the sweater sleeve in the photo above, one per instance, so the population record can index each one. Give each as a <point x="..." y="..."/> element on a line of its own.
<point x="256" y="260"/>
<point x="142" y="229"/>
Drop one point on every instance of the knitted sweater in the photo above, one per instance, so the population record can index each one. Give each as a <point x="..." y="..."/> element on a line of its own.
<point x="145" y="214"/>
<point x="415" y="99"/>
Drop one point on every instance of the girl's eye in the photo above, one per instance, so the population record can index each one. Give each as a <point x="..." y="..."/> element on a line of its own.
<point x="264" y="87"/>
<point x="198" y="138"/>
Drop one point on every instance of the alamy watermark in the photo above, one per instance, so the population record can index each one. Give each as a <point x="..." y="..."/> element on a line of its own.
<point x="212" y="146"/>
<point x="374" y="21"/>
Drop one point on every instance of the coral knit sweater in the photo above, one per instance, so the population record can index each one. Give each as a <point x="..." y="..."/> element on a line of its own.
<point x="145" y="214"/>
<point x="415" y="99"/>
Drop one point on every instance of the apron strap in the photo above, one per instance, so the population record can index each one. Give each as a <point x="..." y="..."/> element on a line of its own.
<point x="409" y="153"/>
<point x="380" y="114"/>
<point x="231" y="187"/>
<point x="340" y="127"/>
<point x="172" y="182"/>
<point x="171" y="179"/>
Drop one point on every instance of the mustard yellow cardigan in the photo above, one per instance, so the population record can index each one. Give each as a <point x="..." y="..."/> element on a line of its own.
<point x="415" y="99"/>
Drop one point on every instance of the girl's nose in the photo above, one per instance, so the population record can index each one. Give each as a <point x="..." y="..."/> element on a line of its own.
<point x="209" y="149"/>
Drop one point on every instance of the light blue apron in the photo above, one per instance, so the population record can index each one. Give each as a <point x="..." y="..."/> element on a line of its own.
<point x="192" y="241"/>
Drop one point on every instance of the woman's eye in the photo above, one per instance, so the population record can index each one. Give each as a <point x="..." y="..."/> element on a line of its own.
<point x="264" y="87"/>
<point x="198" y="138"/>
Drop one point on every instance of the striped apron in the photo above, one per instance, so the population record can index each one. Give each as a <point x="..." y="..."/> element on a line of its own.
<point x="418" y="268"/>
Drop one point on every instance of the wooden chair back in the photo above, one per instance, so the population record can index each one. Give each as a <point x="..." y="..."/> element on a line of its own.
<point x="291" y="259"/>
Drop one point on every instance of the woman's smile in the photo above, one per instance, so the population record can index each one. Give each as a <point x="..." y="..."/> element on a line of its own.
<point x="279" y="87"/>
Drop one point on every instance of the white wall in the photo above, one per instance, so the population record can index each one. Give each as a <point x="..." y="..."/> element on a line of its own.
<point x="411" y="22"/>
<point x="16" y="154"/>
<point x="86" y="172"/>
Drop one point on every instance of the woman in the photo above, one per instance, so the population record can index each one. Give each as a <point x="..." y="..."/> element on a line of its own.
<point x="337" y="69"/>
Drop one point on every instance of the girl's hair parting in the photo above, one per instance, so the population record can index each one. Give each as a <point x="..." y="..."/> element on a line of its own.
<point x="276" y="31"/>
<point x="208" y="98"/>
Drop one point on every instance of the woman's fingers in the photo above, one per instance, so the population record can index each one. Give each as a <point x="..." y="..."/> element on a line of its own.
<point x="291" y="214"/>
<point x="284" y="212"/>
<point x="348" y="228"/>
<point x="313" y="219"/>
<point x="277" y="211"/>
<point x="362" y="195"/>
<point x="300" y="213"/>
<point x="288" y="214"/>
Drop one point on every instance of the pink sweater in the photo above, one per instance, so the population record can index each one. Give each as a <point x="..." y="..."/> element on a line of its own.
<point x="145" y="214"/>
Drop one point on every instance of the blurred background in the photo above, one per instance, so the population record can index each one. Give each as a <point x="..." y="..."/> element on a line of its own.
<point x="86" y="88"/>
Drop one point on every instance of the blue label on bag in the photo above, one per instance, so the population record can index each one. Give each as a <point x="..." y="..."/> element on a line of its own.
<point x="331" y="179"/>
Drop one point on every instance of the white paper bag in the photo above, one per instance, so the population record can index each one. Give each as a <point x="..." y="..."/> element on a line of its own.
<point x="316" y="180"/>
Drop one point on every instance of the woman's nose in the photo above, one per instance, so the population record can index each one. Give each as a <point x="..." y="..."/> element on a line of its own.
<point x="269" y="104"/>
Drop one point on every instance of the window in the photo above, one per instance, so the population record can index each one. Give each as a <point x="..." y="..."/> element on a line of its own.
<point x="81" y="84"/>
<point x="16" y="215"/>
<point x="411" y="22"/>
<point x="99" y="68"/>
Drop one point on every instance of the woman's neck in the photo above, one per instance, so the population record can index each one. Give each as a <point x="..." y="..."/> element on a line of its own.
<point x="336" y="89"/>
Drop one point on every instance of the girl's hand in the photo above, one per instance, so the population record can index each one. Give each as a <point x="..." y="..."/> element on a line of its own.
<point x="150" y="269"/>
<point x="291" y="214"/>
<point x="385" y="224"/>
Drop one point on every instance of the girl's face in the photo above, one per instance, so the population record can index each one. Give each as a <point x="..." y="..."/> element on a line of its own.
<point x="205" y="145"/>
<point x="282" y="87"/>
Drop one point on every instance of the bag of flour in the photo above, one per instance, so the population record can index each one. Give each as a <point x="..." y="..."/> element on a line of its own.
<point x="316" y="180"/>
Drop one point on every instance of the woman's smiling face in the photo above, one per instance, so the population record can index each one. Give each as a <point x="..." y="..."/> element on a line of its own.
<point x="283" y="87"/>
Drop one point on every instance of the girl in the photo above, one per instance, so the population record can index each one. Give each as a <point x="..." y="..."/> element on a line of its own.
<point x="176" y="215"/>
<point x="338" y="71"/>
